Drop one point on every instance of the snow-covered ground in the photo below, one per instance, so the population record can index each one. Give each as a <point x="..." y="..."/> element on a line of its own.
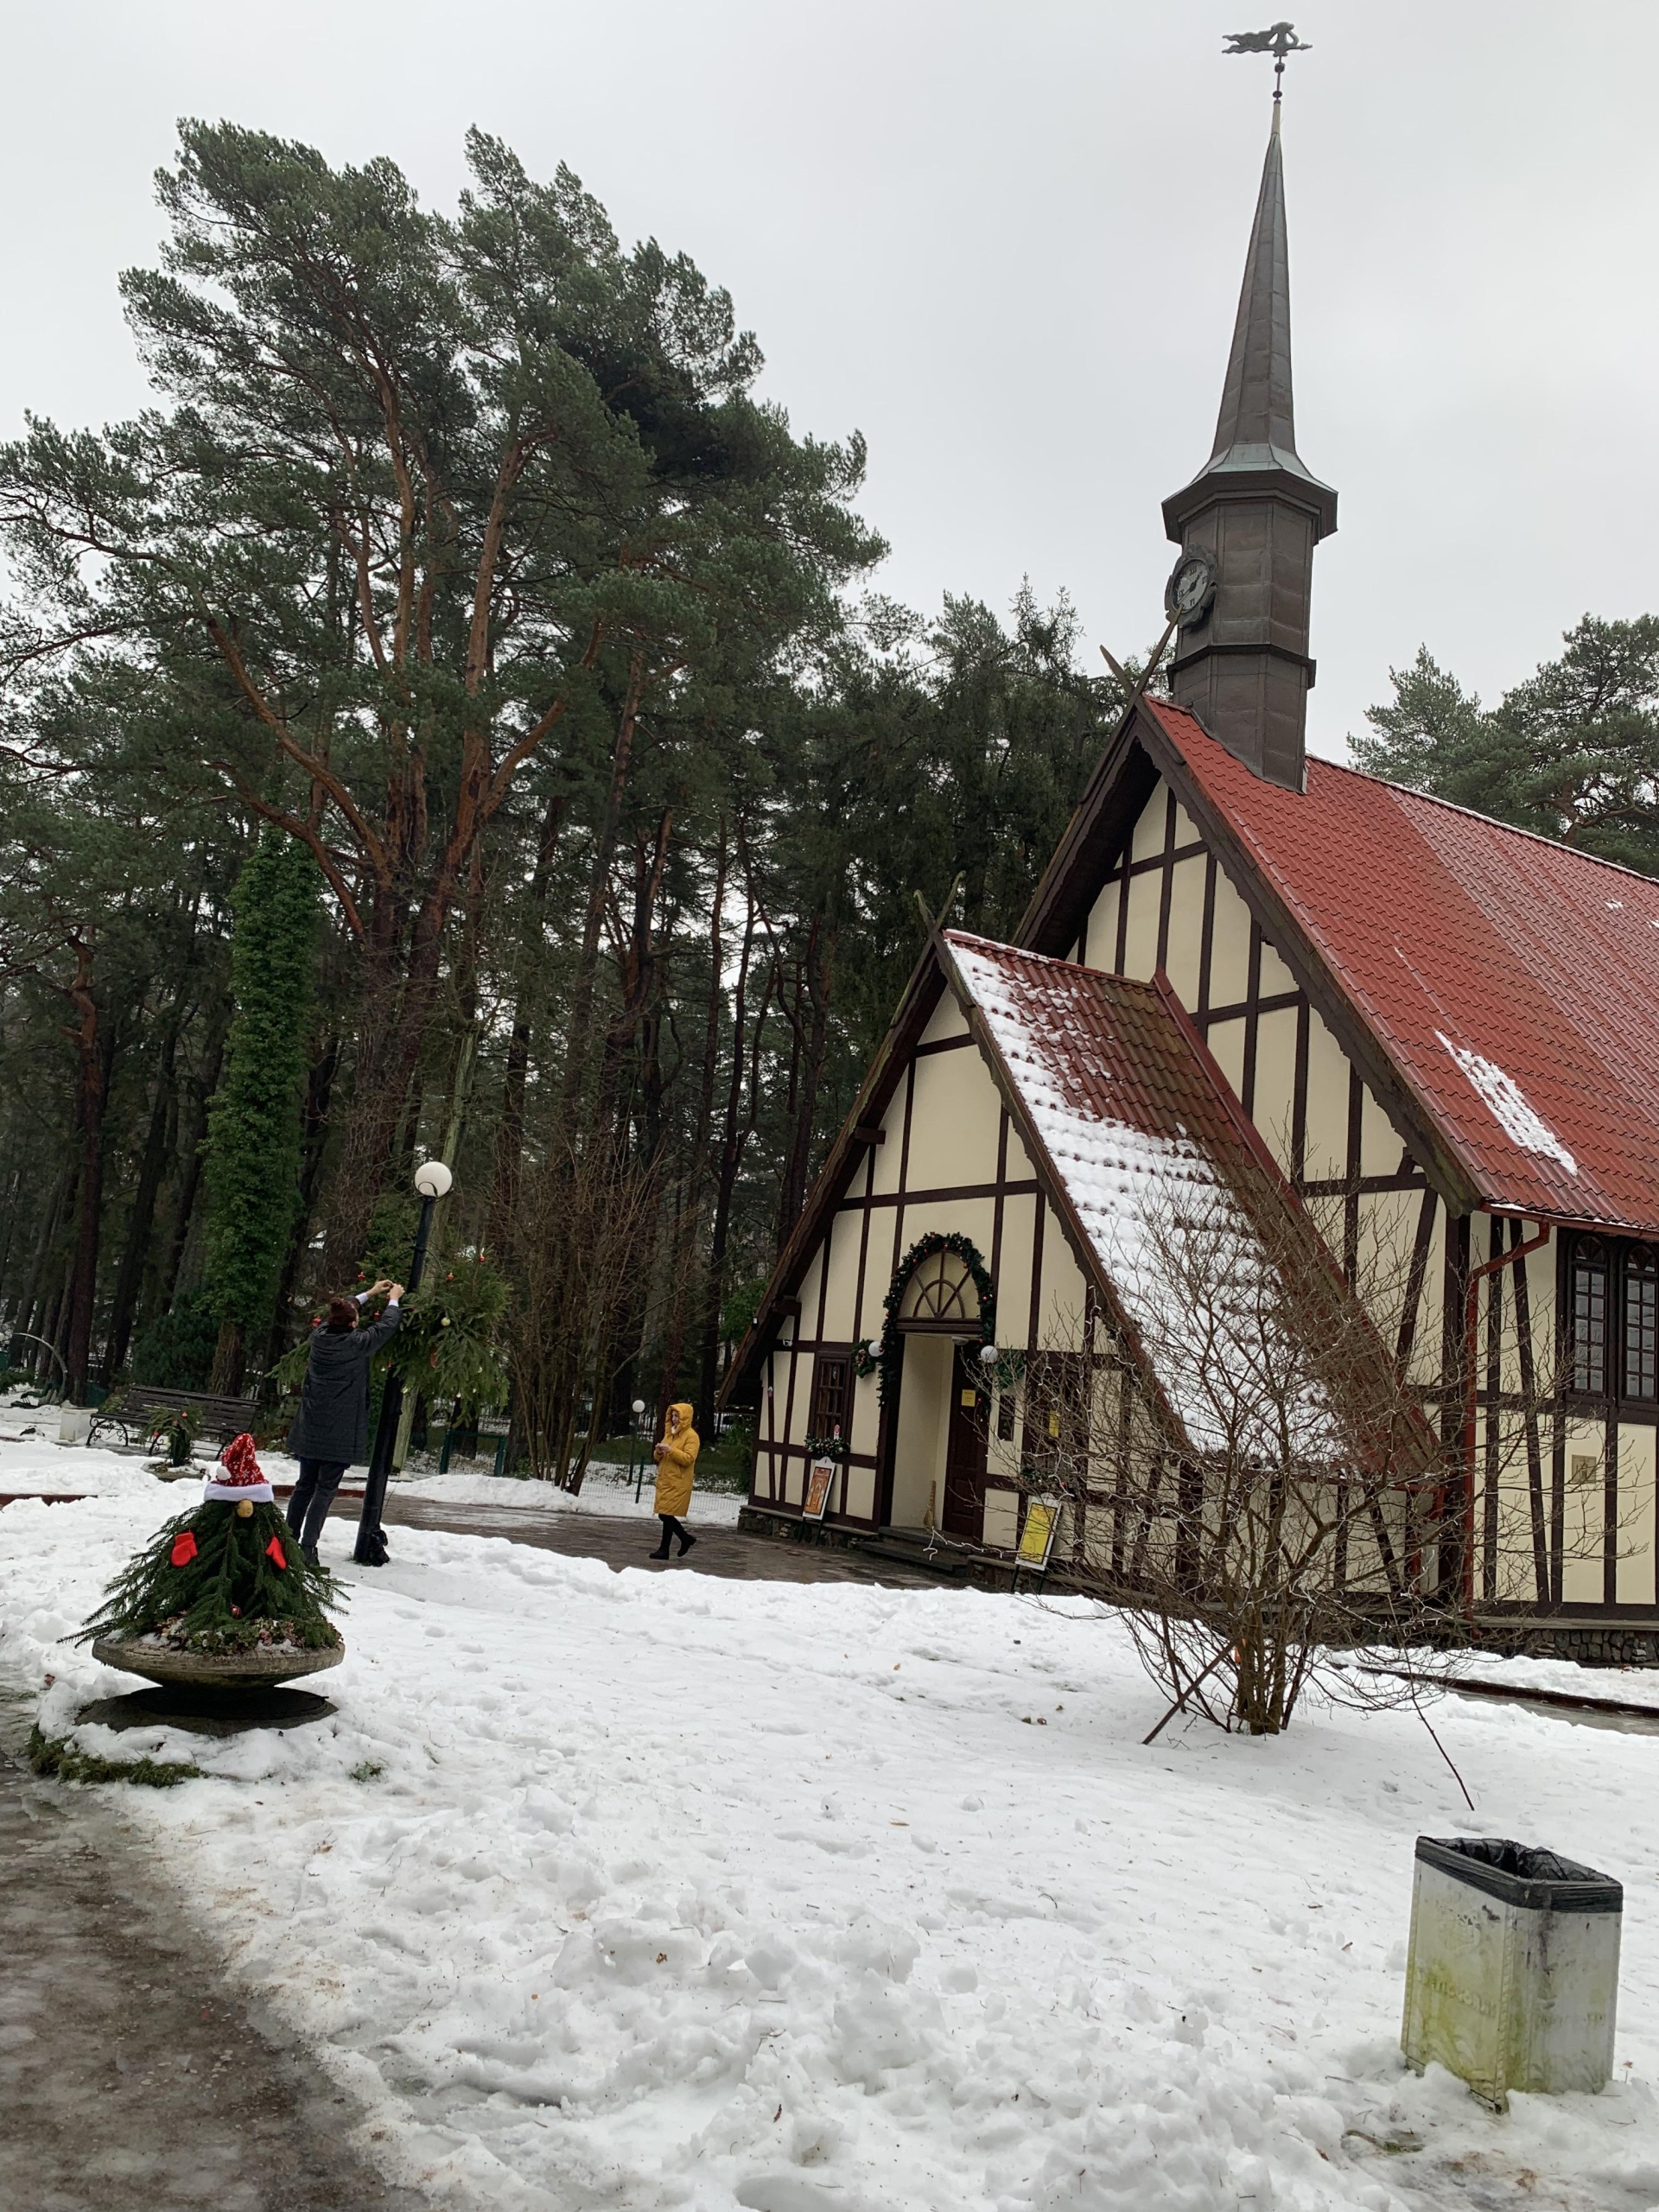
<point x="644" y="1891"/>
<point x="605" y="1490"/>
<point x="32" y="1461"/>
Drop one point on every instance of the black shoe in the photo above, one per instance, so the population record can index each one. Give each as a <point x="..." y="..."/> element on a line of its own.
<point x="686" y="1543"/>
<point x="659" y="1554"/>
<point x="310" y="1551"/>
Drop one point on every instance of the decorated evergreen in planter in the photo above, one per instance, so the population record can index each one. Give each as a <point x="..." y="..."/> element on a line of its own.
<point x="226" y="1578"/>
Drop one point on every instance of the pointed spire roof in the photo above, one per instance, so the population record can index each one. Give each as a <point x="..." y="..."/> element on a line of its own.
<point x="1255" y="432"/>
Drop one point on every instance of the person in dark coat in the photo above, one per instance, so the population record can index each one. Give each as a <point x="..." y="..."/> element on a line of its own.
<point x="331" y="1430"/>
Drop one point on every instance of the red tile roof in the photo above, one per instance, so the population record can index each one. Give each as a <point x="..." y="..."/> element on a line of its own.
<point x="1106" y="1050"/>
<point x="1514" y="982"/>
<point x="1137" y="1129"/>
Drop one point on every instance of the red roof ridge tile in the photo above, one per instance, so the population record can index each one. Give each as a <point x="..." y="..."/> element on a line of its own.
<point x="993" y="945"/>
<point x="1166" y="708"/>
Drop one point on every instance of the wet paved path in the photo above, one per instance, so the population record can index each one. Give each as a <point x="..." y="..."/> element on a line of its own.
<point x="132" y="2078"/>
<point x="731" y="1552"/>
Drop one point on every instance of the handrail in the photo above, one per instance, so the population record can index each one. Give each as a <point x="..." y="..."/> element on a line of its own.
<point x="26" y="1337"/>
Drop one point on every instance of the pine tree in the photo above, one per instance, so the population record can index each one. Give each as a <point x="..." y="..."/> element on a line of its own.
<point x="254" y="1131"/>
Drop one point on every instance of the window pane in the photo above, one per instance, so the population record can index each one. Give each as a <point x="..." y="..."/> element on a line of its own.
<point x="829" y="1409"/>
<point x="1590" y="1318"/>
<point x="1641" y="1323"/>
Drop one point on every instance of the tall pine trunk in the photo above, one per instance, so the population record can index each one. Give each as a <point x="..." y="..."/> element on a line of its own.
<point x="93" y="1054"/>
<point x="141" y="1221"/>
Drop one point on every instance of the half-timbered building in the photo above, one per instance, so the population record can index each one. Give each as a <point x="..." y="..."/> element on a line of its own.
<point x="1421" y="1030"/>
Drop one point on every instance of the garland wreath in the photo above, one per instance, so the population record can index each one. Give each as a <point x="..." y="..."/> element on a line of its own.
<point x="883" y="1361"/>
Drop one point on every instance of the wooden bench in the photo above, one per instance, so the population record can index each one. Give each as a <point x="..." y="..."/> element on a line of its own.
<point x="133" y="1413"/>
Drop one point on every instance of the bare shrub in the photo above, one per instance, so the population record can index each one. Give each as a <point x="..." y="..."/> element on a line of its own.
<point x="580" y="1229"/>
<point x="1249" y="1470"/>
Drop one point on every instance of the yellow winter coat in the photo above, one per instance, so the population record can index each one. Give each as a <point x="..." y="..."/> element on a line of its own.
<point x="680" y="1446"/>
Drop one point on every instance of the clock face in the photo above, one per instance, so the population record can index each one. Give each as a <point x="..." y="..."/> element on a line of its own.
<point x="1191" y="588"/>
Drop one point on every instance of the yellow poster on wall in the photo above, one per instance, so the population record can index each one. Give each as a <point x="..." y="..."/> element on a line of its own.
<point x="1037" y="1537"/>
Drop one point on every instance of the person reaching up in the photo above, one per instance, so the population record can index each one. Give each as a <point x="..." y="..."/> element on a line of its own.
<point x="331" y="1430"/>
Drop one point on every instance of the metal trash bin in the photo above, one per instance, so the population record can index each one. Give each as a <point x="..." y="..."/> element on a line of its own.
<point x="1512" y="1973"/>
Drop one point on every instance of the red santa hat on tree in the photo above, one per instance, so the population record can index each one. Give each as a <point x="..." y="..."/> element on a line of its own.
<point x="242" y="1482"/>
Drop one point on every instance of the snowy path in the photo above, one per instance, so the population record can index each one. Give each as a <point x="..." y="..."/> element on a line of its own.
<point x="647" y="1891"/>
<point x="131" y="2080"/>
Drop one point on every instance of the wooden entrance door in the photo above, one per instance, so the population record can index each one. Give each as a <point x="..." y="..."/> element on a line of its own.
<point x="964" y="1461"/>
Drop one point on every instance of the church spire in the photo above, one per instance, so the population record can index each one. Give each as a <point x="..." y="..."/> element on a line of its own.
<point x="1255" y="512"/>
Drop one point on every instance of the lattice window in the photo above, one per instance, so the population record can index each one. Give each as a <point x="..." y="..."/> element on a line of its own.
<point x="1589" y="1317"/>
<point x="1641" y="1322"/>
<point x="831" y="1386"/>
<point x="941" y="1289"/>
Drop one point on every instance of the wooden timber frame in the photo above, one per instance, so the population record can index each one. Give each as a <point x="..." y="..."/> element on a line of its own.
<point x="1151" y="879"/>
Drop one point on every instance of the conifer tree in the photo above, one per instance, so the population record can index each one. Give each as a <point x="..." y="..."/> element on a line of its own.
<point x="254" y="1130"/>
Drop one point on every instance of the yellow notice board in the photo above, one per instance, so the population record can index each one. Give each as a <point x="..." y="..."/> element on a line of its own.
<point x="1037" y="1537"/>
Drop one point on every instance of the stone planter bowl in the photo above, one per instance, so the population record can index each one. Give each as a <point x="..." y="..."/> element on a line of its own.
<point x="235" y="1670"/>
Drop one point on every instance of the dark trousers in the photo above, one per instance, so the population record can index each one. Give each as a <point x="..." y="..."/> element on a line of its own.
<point x="672" y="1528"/>
<point x="314" y="1494"/>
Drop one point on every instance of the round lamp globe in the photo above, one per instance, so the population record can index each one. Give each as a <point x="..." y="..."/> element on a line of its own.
<point x="432" y="1179"/>
<point x="989" y="1355"/>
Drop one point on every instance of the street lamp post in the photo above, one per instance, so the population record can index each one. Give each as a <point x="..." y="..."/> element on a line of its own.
<point x="633" y="1446"/>
<point x="432" y="1179"/>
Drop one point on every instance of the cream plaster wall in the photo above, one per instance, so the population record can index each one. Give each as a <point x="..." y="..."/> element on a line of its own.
<point x="1014" y="1284"/>
<point x="1226" y="1042"/>
<point x="1186" y="944"/>
<point x="1141" y="946"/>
<point x="867" y="1411"/>
<point x="1001" y="1518"/>
<point x="837" y="1319"/>
<point x="860" y="1492"/>
<point x="1097" y="947"/>
<point x="1326" y="1155"/>
<point x="1635" y="1572"/>
<point x="1148" y="841"/>
<point x="1273" y="1105"/>
<point x="1581" y="1578"/>
<point x="1063" y="1297"/>
<point x="889" y="1154"/>
<point x="953" y="1122"/>
<point x="947" y="1020"/>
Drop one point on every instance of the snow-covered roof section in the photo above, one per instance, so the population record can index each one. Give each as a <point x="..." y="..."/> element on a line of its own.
<point x="1190" y="1233"/>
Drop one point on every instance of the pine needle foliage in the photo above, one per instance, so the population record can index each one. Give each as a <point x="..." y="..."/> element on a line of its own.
<point x="230" y="1596"/>
<point x="254" y="1132"/>
<point x="449" y="1345"/>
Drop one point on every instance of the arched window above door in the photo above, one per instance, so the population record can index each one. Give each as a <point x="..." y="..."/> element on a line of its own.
<point x="941" y="1290"/>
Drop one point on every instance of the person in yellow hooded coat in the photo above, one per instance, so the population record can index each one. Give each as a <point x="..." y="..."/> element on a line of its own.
<point x="677" y="1459"/>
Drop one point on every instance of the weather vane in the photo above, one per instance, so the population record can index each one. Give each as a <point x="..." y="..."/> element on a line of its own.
<point x="1279" y="41"/>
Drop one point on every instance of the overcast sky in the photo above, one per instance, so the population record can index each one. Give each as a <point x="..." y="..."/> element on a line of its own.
<point x="1003" y="238"/>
